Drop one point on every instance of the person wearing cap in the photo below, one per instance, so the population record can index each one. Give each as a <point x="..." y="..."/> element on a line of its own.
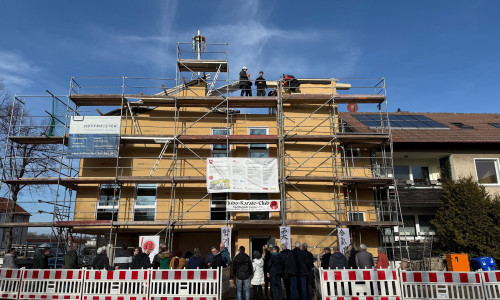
<point x="261" y="84"/>
<point x="325" y="259"/>
<point x="245" y="82"/>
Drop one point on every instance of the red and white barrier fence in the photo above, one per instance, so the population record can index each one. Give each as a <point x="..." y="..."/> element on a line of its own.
<point x="51" y="284"/>
<point x="441" y="285"/>
<point x="116" y="285"/>
<point x="360" y="284"/>
<point x="491" y="284"/>
<point x="10" y="280"/>
<point x="184" y="284"/>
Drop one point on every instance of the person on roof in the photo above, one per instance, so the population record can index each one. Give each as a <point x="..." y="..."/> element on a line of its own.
<point x="261" y="84"/>
<point x="245" y="82"/>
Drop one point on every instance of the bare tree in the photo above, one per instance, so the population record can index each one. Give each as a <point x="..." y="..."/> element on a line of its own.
<point x="20" y="160"/>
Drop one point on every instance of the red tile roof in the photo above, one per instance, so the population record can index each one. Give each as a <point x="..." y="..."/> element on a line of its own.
<point x="483" y="132"/>
<point x="6" y="205"/>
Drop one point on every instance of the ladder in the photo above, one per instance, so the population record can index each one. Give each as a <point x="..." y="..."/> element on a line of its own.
<point x="163" y="150"/>
<point x="210" y="90"/>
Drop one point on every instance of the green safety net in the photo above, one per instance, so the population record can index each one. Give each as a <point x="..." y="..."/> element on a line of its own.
<point x="57" y="126"/>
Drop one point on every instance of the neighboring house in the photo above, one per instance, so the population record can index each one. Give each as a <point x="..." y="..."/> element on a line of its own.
<point x="20" y="216"/>
<point x="429" y="147"/>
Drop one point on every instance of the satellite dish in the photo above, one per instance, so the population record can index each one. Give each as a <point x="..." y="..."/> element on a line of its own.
<point x="352" y="107"/>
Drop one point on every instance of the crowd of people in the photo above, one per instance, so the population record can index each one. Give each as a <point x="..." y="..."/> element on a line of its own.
<point x="245" y="84"/>
<point x="269" y="270"/>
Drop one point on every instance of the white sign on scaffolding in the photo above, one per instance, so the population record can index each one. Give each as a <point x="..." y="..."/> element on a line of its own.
<point x="94" y="137"/>
<point x="151" y="243"/>
<point x="253" y="205"/>
<point x="344" y="239"/>
<point x="285" y="237"/>
<point x="225" y="237"/>
<point x="242" y="175"/>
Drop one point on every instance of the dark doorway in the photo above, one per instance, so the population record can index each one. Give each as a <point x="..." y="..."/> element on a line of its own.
<point x="256" y="243"/>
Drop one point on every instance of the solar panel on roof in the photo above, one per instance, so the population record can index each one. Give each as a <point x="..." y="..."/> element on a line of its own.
<point x="399" y="121"/>
<point x="497" y="125"/>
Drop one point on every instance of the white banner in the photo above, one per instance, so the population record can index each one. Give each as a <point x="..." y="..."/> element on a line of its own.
<point x="225" y="237"/>
<point x="253" y="205"/>
<point x="344" y="239"/>
<point x="150" y="243"/>
<point x="95" y="125"/>
<point x="94" y="137"/>
<point x="285" y="237"/>
<point x="242" y="175"/>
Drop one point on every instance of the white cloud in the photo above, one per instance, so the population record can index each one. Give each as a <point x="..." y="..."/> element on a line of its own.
<point x="16" y="71"/>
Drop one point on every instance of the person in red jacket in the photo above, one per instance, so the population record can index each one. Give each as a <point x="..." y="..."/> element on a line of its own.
<point x="383" y="260"/>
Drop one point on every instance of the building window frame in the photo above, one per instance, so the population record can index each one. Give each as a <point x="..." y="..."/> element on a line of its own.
<point x="410" y="167"/>
<point x="495" y="165"/>
<point x="215" y="151"/>
<point x="350" y="215"/>
<point x="258" y="148"/>
<point x="147" y="207"/>
<point x="114" y="209"/>
<point x="228" y="214"/>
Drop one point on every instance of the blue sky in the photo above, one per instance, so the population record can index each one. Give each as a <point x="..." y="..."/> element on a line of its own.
<point x="437" y="56"/>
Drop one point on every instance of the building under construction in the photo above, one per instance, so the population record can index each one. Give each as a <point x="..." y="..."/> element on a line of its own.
<point x="330" y="175"/>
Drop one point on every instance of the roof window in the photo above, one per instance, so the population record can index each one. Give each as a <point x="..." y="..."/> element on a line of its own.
<point x="461" y="125"/>
<point x="497" y="125"/>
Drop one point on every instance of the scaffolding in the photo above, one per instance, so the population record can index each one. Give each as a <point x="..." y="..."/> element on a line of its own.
<point x="161" y="143"/>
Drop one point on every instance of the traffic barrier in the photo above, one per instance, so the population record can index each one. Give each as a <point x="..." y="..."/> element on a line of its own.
<point x="184" y="284"/>
<point x="116" y="285"/>
<point x="225" y="282"/>
<point x="441" y="285"/>
<point x="51" y="284"/>
<point x="360" y="284"/>
<point x="317" y="281"/>
<point x="491" y="284"/>
<point x="10" y="280"/>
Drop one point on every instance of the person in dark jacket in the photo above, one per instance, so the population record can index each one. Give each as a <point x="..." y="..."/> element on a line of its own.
<point x="196" y="261"/>
<point x="41" y="260"/>
<point x="245" y="82"/>
<point x="71" y="258"/>
<point x="261" y="85"/>
<point x="286" y="279"/>
<point x="275" y="273"/>
<point x="101" y="261"/>
<point x="123" y="258"/>
<point x="217" y="260"/>
<point x="210" y="257"/>
<point x="141" y="260"/>
<point x="325" y="259"/>
<point x="310" y="271"/>
<point x="226" y="256"/>
<point x="296" y="269"/>
<point x="242" y="270"/>
<point x="338" y="260"/>
<point x="364" y="259"/>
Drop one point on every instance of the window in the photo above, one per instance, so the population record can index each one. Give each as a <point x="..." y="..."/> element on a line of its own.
<point x="218" y="203"/>
<point x="399" y="121"/>
<point x="357" y="216"/>
<point x="108" y="202"/>
<point x="425" y="225"/>
<point x="258" y="150"/>
<point x="497" y="125"/>
<point x="487" y="171"/>
<point x="461" y="125"/>
<point x="221" y="150"/>
<point x="259" y="215"/>
<point x="145" y="202"/>
<point x="409" y="226"/>
<point x="418" y="174"/>
<point x="352" y="152"/>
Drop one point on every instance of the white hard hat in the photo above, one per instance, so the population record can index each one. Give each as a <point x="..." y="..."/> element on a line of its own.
<point x="244" y="68"/>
